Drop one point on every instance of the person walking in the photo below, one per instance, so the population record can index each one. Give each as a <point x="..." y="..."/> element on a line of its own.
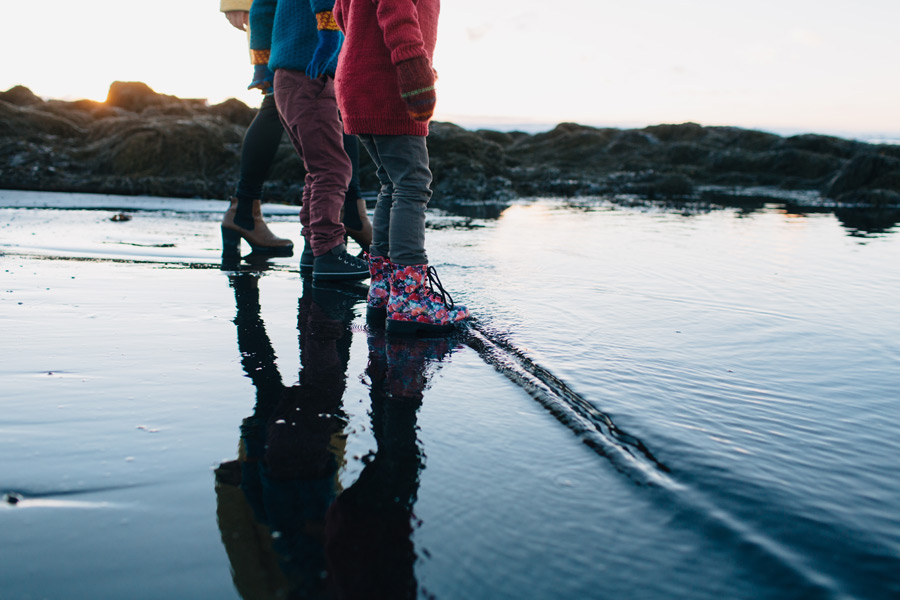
<point x="385" y="87"/>
<point x="243" y="219"/>
<point x="299" y="42"/>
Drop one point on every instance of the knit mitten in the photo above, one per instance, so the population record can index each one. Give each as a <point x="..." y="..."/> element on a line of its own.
<point x="262" y="78"/>
<point x="327" y="46"/>
<point x="416" y="79"/>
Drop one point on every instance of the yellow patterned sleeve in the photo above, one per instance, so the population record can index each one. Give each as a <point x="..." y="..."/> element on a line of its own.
<point x="259" y="57"/>
<point x="325" y="21"/>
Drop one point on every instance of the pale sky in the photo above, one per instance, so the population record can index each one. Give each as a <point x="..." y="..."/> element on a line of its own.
<point x="827" y="66"/>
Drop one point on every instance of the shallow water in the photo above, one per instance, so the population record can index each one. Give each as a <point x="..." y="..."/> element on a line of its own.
<point x="652" y="403"/>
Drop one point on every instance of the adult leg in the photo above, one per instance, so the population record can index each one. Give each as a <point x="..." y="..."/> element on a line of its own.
<point x="261" y="141"/>
<point x="354" y="217"/>
<point x="243" y="219"/>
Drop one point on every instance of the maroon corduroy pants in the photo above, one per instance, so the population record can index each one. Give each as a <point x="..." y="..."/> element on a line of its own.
<point x="308" y="110"/>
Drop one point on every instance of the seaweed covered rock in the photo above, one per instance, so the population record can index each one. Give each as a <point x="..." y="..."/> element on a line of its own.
<point x="141" y="142"/>
<point x="868" y="178"/>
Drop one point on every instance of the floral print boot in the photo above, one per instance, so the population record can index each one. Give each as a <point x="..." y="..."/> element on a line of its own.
<point x="419" y="305"/>
<point x="380" y="270"/>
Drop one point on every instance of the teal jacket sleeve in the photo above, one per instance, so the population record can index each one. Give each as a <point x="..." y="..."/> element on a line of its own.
<point x="262" y="21"/>
<point x="318" y="6"/>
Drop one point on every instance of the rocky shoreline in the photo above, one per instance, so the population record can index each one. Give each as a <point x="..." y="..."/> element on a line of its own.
<point x="142" y="142"/>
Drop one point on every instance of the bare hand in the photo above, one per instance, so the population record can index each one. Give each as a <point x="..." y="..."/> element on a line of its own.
<point x="239" y="19"/>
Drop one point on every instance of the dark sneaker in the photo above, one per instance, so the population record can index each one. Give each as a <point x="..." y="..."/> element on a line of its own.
<point x="338" y="264"/>
<point x="307" y="258"/>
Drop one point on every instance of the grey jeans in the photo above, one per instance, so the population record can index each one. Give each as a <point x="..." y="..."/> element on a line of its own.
<point x="401" y="163"/>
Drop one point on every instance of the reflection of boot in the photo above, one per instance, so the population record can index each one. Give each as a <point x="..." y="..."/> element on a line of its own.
<point x="337" y="301"/>
<point x="380" y="270"/>
<point x="408" y="360"/>
<point x="418" y="303"/>
<point x="260" y="238"/>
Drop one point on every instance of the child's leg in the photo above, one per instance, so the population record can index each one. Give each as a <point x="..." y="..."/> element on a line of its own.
<point x="309" y="111"/>
<point x="379" y="267"/>
<point x="404" y="161"/>
<point x="417" y="303"/>
<point x="381" y="219"/>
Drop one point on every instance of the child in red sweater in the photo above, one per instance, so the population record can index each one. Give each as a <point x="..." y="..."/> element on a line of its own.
<point x="385" y="92"/>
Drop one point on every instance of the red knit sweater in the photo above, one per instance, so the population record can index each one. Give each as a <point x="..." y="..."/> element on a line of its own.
<point x="380" y="34"/>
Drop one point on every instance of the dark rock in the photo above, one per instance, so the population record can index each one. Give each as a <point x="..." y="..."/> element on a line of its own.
<point x="865" y="172"/>
<point x="669" y="186"/>
<point x="464" y="163"/>
<point x="143" y="142"/>
<point x="137" y="97"/>
<point x="823" y="144"/>
<point x="684" y="132"/>
<point x="20" y="96"/>
<point x="234" y="111"/>
<point x="31" y="122"/>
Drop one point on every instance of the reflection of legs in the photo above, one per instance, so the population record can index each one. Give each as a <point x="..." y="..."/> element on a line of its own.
<point x="239" y="495"/>
<point x="257" y="354"/>
<point x="243" y="219"/>
<point x="305" y="440"/>
<point x="369" y="527"/>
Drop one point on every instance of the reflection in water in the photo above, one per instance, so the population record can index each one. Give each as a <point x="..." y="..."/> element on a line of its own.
<point x="288" y="529"/>
<point x="859" y="221"/>
<point x="864" y="222"/>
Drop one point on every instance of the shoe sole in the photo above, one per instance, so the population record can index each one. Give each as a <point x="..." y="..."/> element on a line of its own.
<point x="414" y="328"/>
<point x="340" y="276"/>
<point x="272" y="251"/>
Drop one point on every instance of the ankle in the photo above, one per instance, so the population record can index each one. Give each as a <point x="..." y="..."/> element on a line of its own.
<point x="243" y="214"/>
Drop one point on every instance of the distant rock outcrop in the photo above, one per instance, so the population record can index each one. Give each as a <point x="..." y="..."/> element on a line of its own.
<point x="142" y="142"/>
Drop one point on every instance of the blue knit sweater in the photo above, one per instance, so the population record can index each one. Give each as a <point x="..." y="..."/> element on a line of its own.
<point x="286" y="31"/>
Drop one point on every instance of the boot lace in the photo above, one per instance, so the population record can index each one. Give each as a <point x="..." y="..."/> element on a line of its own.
<point x="434" y="283"/>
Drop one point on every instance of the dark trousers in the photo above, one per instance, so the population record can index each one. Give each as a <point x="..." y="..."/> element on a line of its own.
<point x="258" y="151"/>
<point x="308" y="110"/>
<point x="401" y="163"/>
